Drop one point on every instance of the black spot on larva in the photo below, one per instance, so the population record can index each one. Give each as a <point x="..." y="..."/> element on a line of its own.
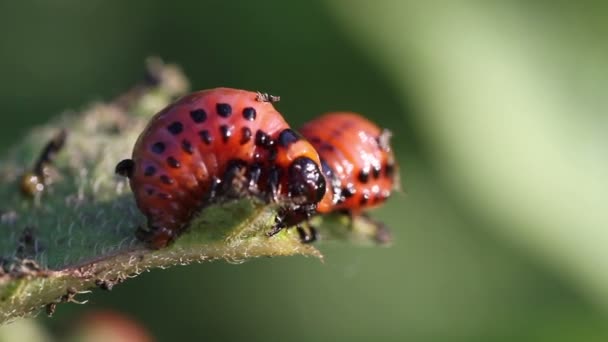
<point x="149" y="171"/>
<point x="326" y="147"/>
<point x="315" y="140"/>
<point x="174" y="163"/>
<point x="249" y="113"/>
<point x="288" y="137"/>
<point x="245" y="135"/>
<point x="166" y="179"/>
<point x="223" y="109"/>
<point x="389" y="170"/>
<point x="158" y="147"/>
<point x="150" y="191"/>
<point x="198" y="115"/>
<point x="364" y="198"/>
<point x="348" y="191"/>
<point x="206" y="137"/>
<point x="226" y="132"/>
<point x="376" y="171"/>
<point x="187" y="147"/>
<point x="125" y="168"/>
<point x="262" y="139"/>
<point x="175" y="128"/>
<point x="364" y="175"/>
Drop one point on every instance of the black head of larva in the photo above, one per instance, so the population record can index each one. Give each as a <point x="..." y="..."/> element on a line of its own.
<point x="306" y="181"/>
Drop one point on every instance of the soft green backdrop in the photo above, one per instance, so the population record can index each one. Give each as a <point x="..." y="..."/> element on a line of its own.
<point x="499" y="115"/>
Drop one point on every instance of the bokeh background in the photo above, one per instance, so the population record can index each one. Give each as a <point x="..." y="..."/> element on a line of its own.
<point x="500" y="122"/>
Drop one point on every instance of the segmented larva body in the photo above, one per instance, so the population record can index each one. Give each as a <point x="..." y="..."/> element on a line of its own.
<point x="213" y="143"/>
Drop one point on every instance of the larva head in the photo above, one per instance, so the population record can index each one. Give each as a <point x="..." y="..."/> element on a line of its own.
<point x="305" y="181"/>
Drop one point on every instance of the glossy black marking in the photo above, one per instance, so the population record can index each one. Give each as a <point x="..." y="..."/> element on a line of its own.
<point x="223" y="109"/>
<point x="149" y="171"/>
<point x="175" y="128"/>
<point x="249" y="113"/>
<point x="376" y="171"/>
<point x="198" y="115"/>
<point x="306" y="180"/>
<point x="206" y="137"/>
<point x="262" y="139"/>
<point x="125" y="168"/>
<point x="364" y="175"/>
<point x="174" y="163"/>
<point x="158" y="148"/>
<point x="288" y="137"/>
<point x="187" y="147"/>
<point x="166" y="179"/>
<point x="245" y="135"/>
<point x="226" y="132"/>
<point x="349" y="191"/>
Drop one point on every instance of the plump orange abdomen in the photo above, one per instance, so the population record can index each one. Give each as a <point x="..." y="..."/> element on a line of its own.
<point x="213" y="142"/>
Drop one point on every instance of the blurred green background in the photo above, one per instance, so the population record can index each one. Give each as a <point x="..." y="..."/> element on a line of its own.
<point x="499" y="115"/>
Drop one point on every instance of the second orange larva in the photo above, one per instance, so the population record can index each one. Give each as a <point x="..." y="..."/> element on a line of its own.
<point x="357" y="160"/>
